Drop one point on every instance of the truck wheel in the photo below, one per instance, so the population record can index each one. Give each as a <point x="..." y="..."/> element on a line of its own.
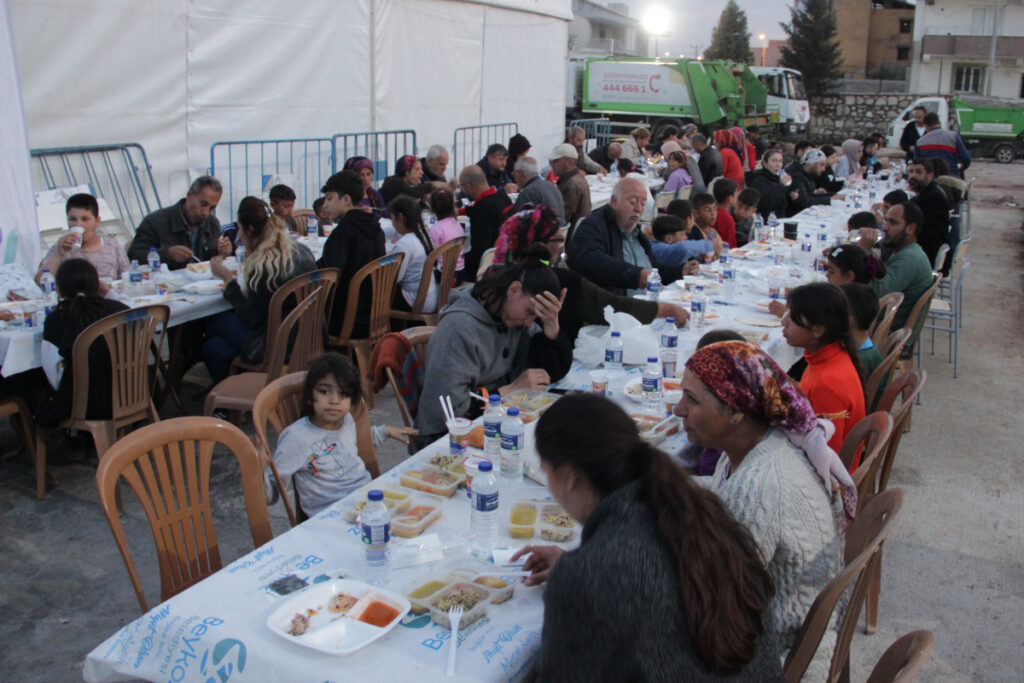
<point x="1004" y="154"/>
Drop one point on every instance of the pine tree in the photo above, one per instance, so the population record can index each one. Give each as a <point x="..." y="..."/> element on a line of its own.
<point x="813" y="48"/>
<point x="730" y="40"/>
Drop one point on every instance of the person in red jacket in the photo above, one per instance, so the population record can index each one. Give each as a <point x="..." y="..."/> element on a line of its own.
<point x="819" y="322"/>
<point x="725" y="191"/>
<point x="732" y="167"/>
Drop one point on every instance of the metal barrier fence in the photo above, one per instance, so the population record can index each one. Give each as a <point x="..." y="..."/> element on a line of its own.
<point x="250" y="167"/>
<point x="470" y="143"/>
<point x="384" y="147"/>
<point x="596" y="129"/>
<point x="119" y="173"/>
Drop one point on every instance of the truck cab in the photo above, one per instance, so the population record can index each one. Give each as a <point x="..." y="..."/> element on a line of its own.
<point x="787" y="96"/>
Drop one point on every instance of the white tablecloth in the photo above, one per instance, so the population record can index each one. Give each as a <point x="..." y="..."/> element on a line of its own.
<point x="221" y="621"/>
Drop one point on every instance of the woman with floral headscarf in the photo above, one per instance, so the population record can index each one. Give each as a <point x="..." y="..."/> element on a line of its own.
<point x="372" y="200"/>
<point x="408" y="173"/>
<point x="746" y="151"/>
<point x="584" y="301"/>
<point x="776" y="475"/>
<point x="732" y="165"/>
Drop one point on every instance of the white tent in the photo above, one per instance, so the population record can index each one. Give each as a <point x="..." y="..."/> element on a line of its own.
<point x="178" y="75"/>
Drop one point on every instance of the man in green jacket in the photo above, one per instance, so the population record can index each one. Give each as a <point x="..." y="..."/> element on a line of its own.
<point x="908" y="270"/>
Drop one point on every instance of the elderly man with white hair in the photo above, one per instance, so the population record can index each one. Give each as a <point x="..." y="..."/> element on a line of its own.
<point x="609" y="248"/>
<point x="434" y="164"/>
<point x="536" y="190"/>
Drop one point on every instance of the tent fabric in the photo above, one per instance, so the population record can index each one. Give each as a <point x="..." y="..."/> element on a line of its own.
<point x="178" y="75"/>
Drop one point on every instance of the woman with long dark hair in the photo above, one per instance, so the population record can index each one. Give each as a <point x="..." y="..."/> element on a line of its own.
<point x="272" y="259"/>
<point x="486" y="337"/>
<point x="819" y="322"/>
<point x="666" y="585"/>
<point x="408" y="174"/>
<point x="81" y="304"/>
<point x="415" y="243"/>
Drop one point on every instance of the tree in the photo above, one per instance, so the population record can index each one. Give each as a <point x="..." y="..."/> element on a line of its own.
<point x="813" y="48"/>
<point x="730" y="40"/>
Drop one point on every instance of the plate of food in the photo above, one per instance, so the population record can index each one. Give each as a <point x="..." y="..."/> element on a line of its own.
<point x="339" y="616"/>
<point x="204" y="287"/>
<point x="198" y="271"/>
<point x="758" y="322"/>
<point x="670" y="386"/>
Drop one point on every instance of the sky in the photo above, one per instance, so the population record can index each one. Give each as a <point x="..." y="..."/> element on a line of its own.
<point x="692" y="21"/>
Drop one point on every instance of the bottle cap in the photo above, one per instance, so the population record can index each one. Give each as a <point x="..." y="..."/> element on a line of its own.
<point x="485" y="466"/>
<point x="375" y="495"/>
<point x="700" y="288"/>
<point x="494" y="399"/>
<point x="652" y="359"/>
<point x="616" y="334"/>
<point x="669" y="320"/>
<point x="513" y="412"/>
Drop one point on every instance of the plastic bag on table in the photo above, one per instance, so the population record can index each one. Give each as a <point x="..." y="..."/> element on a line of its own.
<point x="639" y="341"/>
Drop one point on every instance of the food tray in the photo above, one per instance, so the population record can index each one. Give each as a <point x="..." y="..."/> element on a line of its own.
<point x="501" y="589"/>
<point x="341" y="630"/>
<point x="431" y="480"/>
<point x="671" y="387"/>
<point x="422" y="511"/>
<point x="197" y="271"/>
<point x="396" y="500"/>
<point x="448" y="463"/>
<point x="519" y="519"/>
<point x="645" y="422"/>
<point x="440" y="613"/>
<point x="484" y="574"/>
<point x="564" y="531"/>
<point x="531" y="404"/>
<point x="423" y="588"/>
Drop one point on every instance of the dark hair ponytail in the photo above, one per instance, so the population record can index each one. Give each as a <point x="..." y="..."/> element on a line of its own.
<point x="409" y="209"/>
<point x="78" y="284"/>
<point x="722" y="583"/>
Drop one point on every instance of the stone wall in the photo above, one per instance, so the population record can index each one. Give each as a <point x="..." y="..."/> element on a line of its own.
<point x="837" y="117"/>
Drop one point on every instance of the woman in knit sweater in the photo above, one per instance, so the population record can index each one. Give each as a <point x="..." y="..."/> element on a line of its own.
<point x="665" y="585"/>
<point x="819" y="322"/>
<point x="777" y="476"/>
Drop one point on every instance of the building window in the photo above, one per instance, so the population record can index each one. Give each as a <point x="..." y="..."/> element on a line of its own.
<point x="906" y="25"/>
<point x="968" y="78"/>
<point x="902" y="54"/>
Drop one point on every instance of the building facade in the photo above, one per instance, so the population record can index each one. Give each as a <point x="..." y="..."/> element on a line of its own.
<point x="875" y="37"/>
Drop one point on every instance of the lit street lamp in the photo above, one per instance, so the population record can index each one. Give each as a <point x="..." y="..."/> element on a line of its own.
<point x="656" y="22"/>
<point x="764" y="46"/>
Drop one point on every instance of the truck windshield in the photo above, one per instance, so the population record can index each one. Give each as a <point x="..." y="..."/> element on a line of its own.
<point x="796" y="86"/>
<point x="773" y="83"/>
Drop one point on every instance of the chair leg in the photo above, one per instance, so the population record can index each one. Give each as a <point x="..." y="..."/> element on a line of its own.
<point x="363" y="363"/>
<point x="39" y="457"/>
<point x="874" y="588"/>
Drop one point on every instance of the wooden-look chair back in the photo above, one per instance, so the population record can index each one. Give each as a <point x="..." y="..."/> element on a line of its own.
<point x="419" y="337"/>
<point x="448" y="254"/>
<point x="167" y="465"/>
<point x="287" y="295"/>
<point x="281" y="403"/>
<point x="888" y="305"/>
<point x="890" y="350"/>
<point x="864" y="537"/>
<point x="873" y="433"/>
<point x="904" y="659"/>
<point x="915" y="321"/>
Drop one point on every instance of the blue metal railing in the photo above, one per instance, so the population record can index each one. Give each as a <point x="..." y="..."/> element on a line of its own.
<point x="469" y="143"/>
<point x="384" y="147"/>
<point x="596" y="129"/>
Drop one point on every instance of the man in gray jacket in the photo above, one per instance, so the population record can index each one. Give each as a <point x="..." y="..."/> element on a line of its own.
<point x="536" y="190"/>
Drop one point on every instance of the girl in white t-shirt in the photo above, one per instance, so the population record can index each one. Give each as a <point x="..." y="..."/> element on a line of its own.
<point x="415" y="243"/>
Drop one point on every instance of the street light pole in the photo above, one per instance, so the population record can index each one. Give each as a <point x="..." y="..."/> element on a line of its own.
<point x="764" y="46"/>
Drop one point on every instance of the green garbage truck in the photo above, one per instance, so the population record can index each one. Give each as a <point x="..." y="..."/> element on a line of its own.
<point x="673" y="92"/>
<point x="989" y="126"/>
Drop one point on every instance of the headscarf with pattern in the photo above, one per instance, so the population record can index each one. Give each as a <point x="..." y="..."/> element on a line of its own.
<point x="529" y="226"/>
<point x="741" y="145"/>
<point x="357" y="164"/>
<point x="405" y="164"/>
<point x="749" y="381"/>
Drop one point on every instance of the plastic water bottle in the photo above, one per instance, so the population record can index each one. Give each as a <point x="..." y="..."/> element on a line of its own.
<point x="651" y="384"/>
<point x="697" y="305"/>
<point x="773" y="222"/>
<point x="134" y="280"/>
<point x="483" y="516"/>
<point x="492" y="427"/>
<point x="312" y="228"/>
<point x="613" y="352"/>
<point x="375" y="521"/>
<point x="758" y="227"/>
<point x="653" y="284"/>
<point x="669" y="334"/>
<point x="512" y="442"/>
<point x="154" y="261"/>
<point x="240" y="253"/>
<point x="47" y="282"/>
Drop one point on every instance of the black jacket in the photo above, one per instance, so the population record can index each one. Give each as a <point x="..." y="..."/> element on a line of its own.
<point x="595" y="252"/>
<point x="485" y="218"/>
<point x="828" y="181"/>
<point x="773" y="193"/>
<point x="934" y="204"/>
<point x="356" y="241"/>
<point x="710" y="164"/>
<point x="166" y="228"/>
<point x="804" y="185"/>
<point x="495" y="178"/>
<point x="600" y="156"/>
<point x="909" y="137"/>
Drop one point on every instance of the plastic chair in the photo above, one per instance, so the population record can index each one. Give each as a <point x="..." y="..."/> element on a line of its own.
<point x="15" y="406"/>
<point x="904" y="388"/>
<point x="904" y="659"/>
<point x="915" y="322"/>
<point x="940" y="257"/>
<point x="280" y="403"/>
<point x="383" y="274"/>
<point x="419" y="337"/>
<point x="946" y="314"/>
<point x="448" y="253"/>
<point x="959" y="255"/>
<point x="129" y="337"/>
<point x="888" y="304"/>
<point x="167" y="465"/>
<point x="965" y="211"/>
<point x="486" y="261"/>
<point x="237" y="392"/>
<point x="890" y="349"/>
<point x="868" y="437"/>
<point x="873" y="524"/>
<point x="286" y="296"/>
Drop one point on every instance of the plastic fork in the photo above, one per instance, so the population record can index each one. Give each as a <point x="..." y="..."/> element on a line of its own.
<point x="454" y="616"/>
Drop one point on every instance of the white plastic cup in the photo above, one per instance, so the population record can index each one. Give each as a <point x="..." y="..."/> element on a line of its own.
<point x="599" y="382"/>
<point x="32" y="315"/>
<point x="458" y="436"/>
<point x="78" y="231"/>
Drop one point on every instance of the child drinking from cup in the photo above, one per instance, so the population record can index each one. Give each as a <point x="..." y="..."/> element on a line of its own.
<point x="104" y="253"/>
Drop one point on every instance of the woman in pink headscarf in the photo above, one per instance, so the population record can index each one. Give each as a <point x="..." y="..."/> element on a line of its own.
<point x="748" y="154"/>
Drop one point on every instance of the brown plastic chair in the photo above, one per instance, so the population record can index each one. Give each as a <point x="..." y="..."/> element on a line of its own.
<point x="864" y="537"/>
<point x="888" y="304"/>
<point x="890" y="349"/>
<point x="237" y="392"/>
<point x="287" y="295"/>
<point x="904" y="388"/>
<point x="383" y="274"/>
<point x="486" y="261"/>
<point x="449" y="253"/>
<point x="915" y="321"/>
<point x="15" y="406"/>
<point x="868" y="437"/>
<point x="280" y="403"/>
<point x="129" y="336"/>
<point x="419" y="337"/>
<point x="167" y="465"/>
<point x="904" y="659"/>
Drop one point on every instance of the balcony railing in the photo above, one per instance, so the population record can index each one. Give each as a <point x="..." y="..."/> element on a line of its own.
<point x="972" y="46"/>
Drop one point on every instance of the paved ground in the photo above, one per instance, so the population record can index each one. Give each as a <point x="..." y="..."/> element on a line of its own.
<point x="955" y="564"/>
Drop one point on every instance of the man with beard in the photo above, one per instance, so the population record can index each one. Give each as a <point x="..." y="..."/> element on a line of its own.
<point x="812" y="165"/>
<point x="913" y="131"/>
<point x="908" y="270"/>
<point x="184" y="231"/>
<point x="934" y="204"/>
<point x="610" y="250"/>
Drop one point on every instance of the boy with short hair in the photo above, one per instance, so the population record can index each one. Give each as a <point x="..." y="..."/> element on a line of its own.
<point x="743" y="214"/>
<point x="282" y="203"/>
<point x="670" y="244"/>
<point x="104" y="253"/>
<point x="725" y="191"/>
